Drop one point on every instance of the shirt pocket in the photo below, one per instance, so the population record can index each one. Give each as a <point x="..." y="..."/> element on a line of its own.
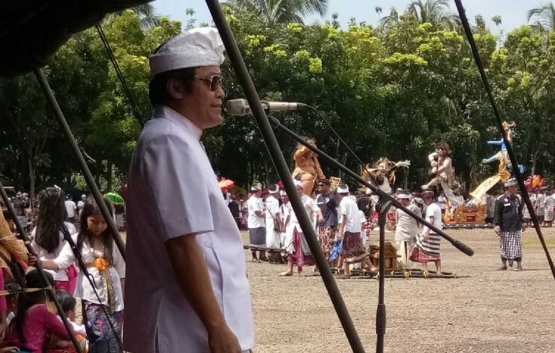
<point x="214" y="269"/>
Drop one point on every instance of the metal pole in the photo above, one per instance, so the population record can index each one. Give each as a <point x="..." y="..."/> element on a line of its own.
<point x="382" y="209"/>
<point x="245" y="80"/>
<point x="75" y="148"/>
<point x="39" y="268"/>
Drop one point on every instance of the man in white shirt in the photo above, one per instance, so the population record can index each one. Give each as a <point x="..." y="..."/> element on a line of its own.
<point x="352" y="248"/>
<point x="255" y="222"/>
<point x="273" y="222"/>
<point x="406" y="229"/>
<point x="429" y="243"/>
<point x="81" y="204"/>
<point x="71" y="208"/>
<point x="186" y="281"/>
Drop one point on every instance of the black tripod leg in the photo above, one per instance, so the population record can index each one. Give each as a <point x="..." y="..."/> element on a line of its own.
<point x="382" y="209"/>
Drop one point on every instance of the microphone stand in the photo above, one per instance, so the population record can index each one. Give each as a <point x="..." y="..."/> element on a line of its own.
<point x="39" y="268"/>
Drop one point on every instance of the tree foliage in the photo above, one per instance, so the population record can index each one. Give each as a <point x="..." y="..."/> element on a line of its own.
<point x="389" y="91"/>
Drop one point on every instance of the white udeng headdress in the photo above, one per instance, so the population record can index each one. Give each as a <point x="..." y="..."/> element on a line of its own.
<point x="197" y="47"/>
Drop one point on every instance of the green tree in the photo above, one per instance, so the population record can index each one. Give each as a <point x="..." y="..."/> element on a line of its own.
<point x="543" y="17"/>
<point x="272" y="12"/>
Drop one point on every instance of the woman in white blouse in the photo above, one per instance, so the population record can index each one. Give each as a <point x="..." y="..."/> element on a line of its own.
<point x="107" y="268"/>
<point x="48" y="236"/>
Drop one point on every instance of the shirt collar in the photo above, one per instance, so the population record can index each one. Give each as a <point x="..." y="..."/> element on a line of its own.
<point x="162" y="111"/>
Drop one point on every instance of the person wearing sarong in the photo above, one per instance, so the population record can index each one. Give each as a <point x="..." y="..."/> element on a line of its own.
<point x="296" y="245"/>
<point x="540" y="206"/>
<point x="406" y="230"/>
<point x="256" y="224"/>
<point x="352" y="248"/>
<point x="428" y="244"/>
<point x="273" y="223"/>
<point x="508" y="223"/>
<point x="328" y="205"/>
<point x="549" y="203"/>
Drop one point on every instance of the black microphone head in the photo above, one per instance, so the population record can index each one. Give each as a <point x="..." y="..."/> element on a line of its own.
<point x="237" y="107"/>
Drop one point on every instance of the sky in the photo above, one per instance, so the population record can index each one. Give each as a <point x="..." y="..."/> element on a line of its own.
<point x="513" y="12"/>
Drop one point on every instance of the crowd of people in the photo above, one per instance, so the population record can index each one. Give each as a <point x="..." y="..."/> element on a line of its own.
<point x="342" y="221"/>
<point x="28" y="319"/>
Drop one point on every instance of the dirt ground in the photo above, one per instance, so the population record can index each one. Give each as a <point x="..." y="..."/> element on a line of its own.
<point x="483" y="311"/>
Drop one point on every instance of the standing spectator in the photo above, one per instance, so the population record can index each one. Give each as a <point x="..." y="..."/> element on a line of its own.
<point x="48" y="238"/>
<point x="71" y="209"/>
<point x="490" y="208"/>
<point x="256" y="224"/>
<point x="349" y="231"/>
<point x="406" y="229"/>
<point x="509" y="223"/>
<point x="186" y="282"/>
<point x="234" y="209"/>
<point x="429" y="242"/>
<point x="81" y="204"/>
<point x="273" y="222"/>
<point x="540" y="205"/>
<point x="549" y="203"/>
<point x="328" y="227"/>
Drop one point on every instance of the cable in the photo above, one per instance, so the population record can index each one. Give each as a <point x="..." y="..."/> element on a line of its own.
<point x="121" y="78"/>
<point x="512" y="157"/>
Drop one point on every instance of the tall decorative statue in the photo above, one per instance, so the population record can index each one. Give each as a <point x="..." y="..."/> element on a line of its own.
<point x="383" y="172"/>
<point x="505" y="166"/>
<point x="307" y="167"/>
<point x="444" y="174"/>
<point x="504" y="170"/>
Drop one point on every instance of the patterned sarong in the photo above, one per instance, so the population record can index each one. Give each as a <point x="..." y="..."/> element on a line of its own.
<point x="510" y="244"/>
<point x="352" y="245"/>
<point x="326" y="237"/>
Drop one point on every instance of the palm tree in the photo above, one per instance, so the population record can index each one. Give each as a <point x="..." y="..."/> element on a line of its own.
<point x="543" y="17"/>
<point x="145" y="12"/>
<point x="436" y="12"/>
<point x="390" y="20"/>
<point x="280" y="11"/>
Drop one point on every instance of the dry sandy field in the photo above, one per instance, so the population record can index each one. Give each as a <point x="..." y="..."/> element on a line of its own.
<point x="483" y="310"/>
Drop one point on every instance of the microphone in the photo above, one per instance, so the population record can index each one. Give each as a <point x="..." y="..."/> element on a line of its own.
<point x="240" y="107"/>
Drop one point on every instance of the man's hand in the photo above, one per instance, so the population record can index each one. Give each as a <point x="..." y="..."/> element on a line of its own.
<point x="497" y="230"/>
<point x="426" y="236"/>
<point x="523" y="227"/>
<point x="320" y="218"/>
<point x="222" y="340"/>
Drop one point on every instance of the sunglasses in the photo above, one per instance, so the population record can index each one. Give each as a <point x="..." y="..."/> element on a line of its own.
<point x="214" y="82"/>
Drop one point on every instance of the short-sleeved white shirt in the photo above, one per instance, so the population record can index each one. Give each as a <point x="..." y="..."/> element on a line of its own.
<point x="255" y="204"/>
<point x="434" y="210"/>
<point x="172" y="192"/>
<point x="310" y="207"/>
<point x="70" y="208"/>
<point x="272" y="208"/>
<point x="349" y="208"/>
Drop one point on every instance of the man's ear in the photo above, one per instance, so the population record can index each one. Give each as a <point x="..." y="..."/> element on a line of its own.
<point x="175" y="88"/>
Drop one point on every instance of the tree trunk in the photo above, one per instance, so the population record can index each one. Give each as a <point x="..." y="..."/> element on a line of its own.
<point x="109" y="176"/>
<point x="31" y="178"/>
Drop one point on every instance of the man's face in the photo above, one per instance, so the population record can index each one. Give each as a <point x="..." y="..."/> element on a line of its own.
<point x="284" y="198"/>
<point x="324" y="188"/>
<point x="404" y="201"/>
<point x="427" y="200"/>
<point x="441" y="152"/>
<point x="511" y="190"/>
<point x="300" y="190"/>
<point x="206" y="97"/>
